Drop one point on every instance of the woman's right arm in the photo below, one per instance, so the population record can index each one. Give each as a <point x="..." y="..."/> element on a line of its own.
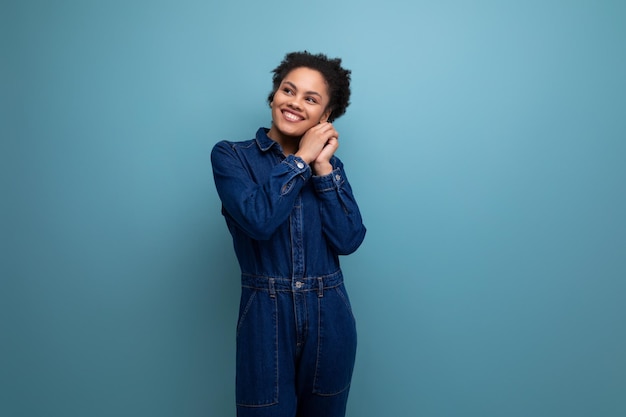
<point x="258" y="206"/>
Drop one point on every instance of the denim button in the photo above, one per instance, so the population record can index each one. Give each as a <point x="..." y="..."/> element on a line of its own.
<point x="299" y="284"/>
<point x="300" y="165"/>
<point x="337" y="177"/>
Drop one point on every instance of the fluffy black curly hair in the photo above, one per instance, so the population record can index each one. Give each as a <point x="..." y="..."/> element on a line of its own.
<point x="337" y="78"/>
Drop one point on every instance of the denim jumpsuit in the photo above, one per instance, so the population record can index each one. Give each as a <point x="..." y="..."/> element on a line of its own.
<point x="296" y="335"/>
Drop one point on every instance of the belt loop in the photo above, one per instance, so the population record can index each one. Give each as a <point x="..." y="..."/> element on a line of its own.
<point x="272" y="290"/>
<point x="320" y="287"/>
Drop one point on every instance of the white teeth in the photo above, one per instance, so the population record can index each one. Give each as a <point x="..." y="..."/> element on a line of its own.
<point x="291" y="116"/>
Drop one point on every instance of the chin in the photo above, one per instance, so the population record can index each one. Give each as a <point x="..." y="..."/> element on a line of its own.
<point x="290" y="132"/>
<point x="296" y="135"/>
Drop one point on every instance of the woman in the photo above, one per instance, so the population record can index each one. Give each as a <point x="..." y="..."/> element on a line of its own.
<point x="291" y="212"/>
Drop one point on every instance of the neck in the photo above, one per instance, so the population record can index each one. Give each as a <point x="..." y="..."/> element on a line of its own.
<point x="289" y="144"/>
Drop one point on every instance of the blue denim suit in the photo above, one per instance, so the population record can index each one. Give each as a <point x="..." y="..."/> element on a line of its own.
<point x="296" y="335"/>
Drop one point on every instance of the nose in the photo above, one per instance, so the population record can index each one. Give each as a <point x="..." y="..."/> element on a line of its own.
<point x="294" y="103"/>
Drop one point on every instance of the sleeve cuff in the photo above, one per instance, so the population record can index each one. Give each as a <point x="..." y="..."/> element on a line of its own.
<point x="298" y="165"/>
<point x="329" y="182"/>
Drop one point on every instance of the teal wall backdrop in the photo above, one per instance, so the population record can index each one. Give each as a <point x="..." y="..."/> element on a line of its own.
<point x="486" y="144"/>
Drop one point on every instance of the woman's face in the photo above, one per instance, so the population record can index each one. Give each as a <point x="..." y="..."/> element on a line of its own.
<point x="300" y="102"/>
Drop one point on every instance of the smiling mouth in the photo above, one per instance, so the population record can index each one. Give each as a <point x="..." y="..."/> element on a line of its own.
<point x="291" y="116"/>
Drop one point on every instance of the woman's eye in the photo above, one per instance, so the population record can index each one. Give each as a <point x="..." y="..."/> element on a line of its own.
<point x="311" y="100"/>
<point x="287" y="90"/>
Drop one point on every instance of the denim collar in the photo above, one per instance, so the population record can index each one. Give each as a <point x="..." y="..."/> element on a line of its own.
<point x="263" y="141"/>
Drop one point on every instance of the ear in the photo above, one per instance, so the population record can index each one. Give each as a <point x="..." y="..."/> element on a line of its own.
<point x="325" y="115"/>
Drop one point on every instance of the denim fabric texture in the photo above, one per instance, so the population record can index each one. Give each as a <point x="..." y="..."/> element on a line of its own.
<point x="296" y="334"/>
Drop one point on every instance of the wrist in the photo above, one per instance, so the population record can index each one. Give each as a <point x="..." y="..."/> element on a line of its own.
<point x="304" y="157"/>
<point x="322" y="168"/>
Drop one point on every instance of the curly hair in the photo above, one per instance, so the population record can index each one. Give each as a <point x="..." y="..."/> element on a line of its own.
<point x="337" y="78"/>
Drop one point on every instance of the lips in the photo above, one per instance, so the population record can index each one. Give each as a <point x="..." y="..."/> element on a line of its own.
<point x="292" y="117"/>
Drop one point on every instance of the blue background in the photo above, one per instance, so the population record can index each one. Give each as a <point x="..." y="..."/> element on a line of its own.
<point x="485" y="143"/>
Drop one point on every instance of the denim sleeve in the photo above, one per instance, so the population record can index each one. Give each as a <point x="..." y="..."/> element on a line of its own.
<point x="258" y="206"/>
<point x="341" y="218"/>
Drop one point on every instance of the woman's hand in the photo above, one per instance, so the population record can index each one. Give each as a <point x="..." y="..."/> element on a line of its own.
<point x="317" y="146"/>
<point x="321" y="165"/>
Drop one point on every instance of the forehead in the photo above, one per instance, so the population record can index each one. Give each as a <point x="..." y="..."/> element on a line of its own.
<point x="307" y="79"/>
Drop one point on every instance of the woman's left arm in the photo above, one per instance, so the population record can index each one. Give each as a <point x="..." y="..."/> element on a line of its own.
<point x="341" y="219"/>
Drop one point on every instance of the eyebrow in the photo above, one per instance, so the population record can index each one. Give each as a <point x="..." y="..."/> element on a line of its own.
<point x="292" y="85"/>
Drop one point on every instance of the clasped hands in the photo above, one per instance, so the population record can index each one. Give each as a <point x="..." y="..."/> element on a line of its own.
<point x="317" y="146"/>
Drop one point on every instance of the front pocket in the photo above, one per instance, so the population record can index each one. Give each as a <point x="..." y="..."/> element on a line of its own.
<point x="336" y="344"/>
<point x="257" y="356"/>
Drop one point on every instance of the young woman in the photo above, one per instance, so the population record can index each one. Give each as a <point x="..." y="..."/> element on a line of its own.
<point x="291" y="212"/>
